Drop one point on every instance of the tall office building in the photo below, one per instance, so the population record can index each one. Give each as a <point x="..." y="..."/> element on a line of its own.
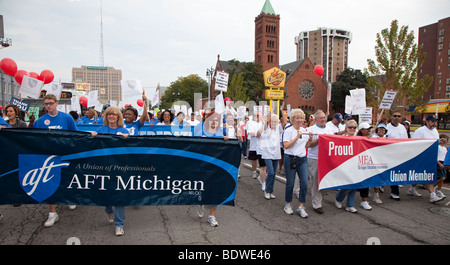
<point x="327" y="47"/>
<point x="104" y="79"/>
<point x="435" y="42"/>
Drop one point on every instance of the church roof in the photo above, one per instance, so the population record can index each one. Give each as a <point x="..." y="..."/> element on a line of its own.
<point x="268" y="9"/>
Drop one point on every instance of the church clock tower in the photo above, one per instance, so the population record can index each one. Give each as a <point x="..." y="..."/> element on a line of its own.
<point x="267" y="37"/>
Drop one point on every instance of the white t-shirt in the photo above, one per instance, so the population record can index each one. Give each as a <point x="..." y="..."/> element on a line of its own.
<point x="396" y="132"/>
<point x="313" y="152"/>
<point x="425" y="133"/>
<point x="298" y="148"/>
<point x="253" y="127"/>
<point x="269" y="144"/>
<point x="332" y="127"/>
<point x="442" y="152"/>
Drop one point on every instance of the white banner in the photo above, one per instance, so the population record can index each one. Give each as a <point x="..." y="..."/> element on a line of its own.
<point x="221" y="81"/>
<point x="30" y="88"/>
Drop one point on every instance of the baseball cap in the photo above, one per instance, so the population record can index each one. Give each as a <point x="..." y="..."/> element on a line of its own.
<point x="338" y="117"/>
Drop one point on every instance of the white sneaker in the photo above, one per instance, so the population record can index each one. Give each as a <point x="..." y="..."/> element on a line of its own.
<point x="376" y="198"/>
<point x="272" y="196"/>
<point x="254" y="174"/>
<point x="365" y="205"/>
<point x="119" y="231"/>
<point x="263" y="186"/>
<point x="267" y="195"/>
<point x="200" y="211"/>
<point x="52" y="219"/>
<point x="72" y="207"/>
<point x="338" y="204"/>
<point x="301" y="211"/>
<point x="435" y="198"/>
<point x="412" y="192"/>
<point x="440" y="194"/>
<point x="288" y="209"/>
<point x="351" y="209"/>
<point x="212" y="221"/>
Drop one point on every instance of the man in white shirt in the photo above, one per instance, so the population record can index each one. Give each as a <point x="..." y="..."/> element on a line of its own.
<point x="313" y="155"/>
<point x="428" y="131"/>
<point x="335" y="124"/>
<point x="396" y="130"/>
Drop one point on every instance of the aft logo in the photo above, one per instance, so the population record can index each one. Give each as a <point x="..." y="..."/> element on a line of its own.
<point x="40" y="175"/>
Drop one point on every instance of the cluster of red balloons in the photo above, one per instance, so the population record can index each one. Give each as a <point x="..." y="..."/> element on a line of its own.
<point x="9" y="67"/>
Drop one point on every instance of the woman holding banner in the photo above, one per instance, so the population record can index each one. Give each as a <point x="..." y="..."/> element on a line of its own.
<point x="350" y="193"/>
<point x="295" y="161"/>
<point x="113" y="124"/>
<point x="211" y="128"/>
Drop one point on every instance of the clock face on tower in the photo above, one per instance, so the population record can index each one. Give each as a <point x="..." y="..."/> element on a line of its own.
<point x="306" y="89"/>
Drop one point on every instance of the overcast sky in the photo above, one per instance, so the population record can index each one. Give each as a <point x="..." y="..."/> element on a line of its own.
<point x="158" y="41"/>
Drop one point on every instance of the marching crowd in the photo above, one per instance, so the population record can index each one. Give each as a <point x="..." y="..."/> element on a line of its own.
<point x="289" y="144"/>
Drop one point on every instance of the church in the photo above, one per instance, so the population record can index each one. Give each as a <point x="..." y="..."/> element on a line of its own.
<point x="304" y="89"/>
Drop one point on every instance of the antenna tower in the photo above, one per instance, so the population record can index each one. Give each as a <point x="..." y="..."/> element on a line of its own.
<point x="102" y="59"/>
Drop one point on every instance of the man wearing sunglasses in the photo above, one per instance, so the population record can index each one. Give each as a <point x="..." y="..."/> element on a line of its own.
<point x="396" y="130"/>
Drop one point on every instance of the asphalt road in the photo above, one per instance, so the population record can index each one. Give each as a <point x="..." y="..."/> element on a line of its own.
<point x="253" y="221"/>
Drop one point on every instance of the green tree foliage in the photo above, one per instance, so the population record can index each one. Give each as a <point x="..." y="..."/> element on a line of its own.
<point x="183" y="89"/>
<point x="349" y="79"/>
<point x="248" y="78"/>
<point x="398" y="58"/>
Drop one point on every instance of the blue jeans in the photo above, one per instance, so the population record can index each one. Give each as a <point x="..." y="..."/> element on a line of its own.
<point x="119" y="214"/>
<point x="340" y="196"/>
<point x="271" y="170"/>
<point x="302" y="171"/>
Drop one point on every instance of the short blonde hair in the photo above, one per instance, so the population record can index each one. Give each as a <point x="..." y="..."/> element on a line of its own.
<point x="113" y="110"/>
<point x="297" y="112"/>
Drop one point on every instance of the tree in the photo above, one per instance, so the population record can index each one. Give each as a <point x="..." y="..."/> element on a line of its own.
<point x="349" y="79"/>
<point x="183" y="89"/>
<point x="398" y="59"/>
<point x="236" y="89"/>
<point x="252" y="79"/>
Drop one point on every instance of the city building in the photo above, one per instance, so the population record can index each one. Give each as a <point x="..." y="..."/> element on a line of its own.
<point x="435" y="42"/>
<point x="327" y="47"/>
<point x="104" y="79"/>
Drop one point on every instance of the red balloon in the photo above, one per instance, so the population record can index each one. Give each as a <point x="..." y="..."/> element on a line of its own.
<point x="140" y="102"/>
<point x="83" y="101"/>
<point x="318" y="70"/>
<point x="46" y="76"/>
<point x="19" y="76"/>
<point x="8" y="66"/>
<point x="33" y="75"/>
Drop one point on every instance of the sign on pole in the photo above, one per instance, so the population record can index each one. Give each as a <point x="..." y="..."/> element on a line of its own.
<point x="388" y="99"/>
<point x="221" y="81"/>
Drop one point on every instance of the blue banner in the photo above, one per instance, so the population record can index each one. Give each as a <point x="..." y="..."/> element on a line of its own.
<point x="155" y="130"/>
<point x="65" y="167"/>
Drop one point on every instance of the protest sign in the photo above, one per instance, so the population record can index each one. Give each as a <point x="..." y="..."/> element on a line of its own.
<point x="92" y="98"/>
<point x="221" y="81"/>
<point x="355" y="162"/>
<point x="358" y="101"/>
<point x="53" y="89"/>
<point x="131" y="91"/>
<point x="388" y="99"/>
<point x="30" y="87"/>
<point x="23" y="106"/>
<point x="113" y="170"/>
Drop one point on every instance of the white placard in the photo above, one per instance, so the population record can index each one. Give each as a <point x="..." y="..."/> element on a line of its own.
<point x="388" y="99"/>
<point x="358" y="101"/>
<point x="348" y="104"/>
<point x="53" y="89"/>
<point x="366" y="116"/>
<point x="219" y="105"/>
<point x="30" y="87"/>
<point x="221" y="81"/>
<point x="131" y="91"/>
<point x="75" y="104"/>
<point x="92" y="98"/>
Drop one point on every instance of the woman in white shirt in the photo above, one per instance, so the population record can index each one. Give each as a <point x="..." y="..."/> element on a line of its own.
<point x="295" y="161"/>
<point x="270" y="152"/>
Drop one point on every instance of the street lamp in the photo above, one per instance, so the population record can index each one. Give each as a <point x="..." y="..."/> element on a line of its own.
<point x="210" y="74"/>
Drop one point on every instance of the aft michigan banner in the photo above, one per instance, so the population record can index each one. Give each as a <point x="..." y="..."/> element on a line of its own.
<point x="65" y="167"/>
<point x="356" y="162"/>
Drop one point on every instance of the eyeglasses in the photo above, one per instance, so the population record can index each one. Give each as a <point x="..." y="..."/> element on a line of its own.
<point x="49" y="103"/>
<point x="351" y="127"/>
<point x="396" y="116"/>
<point x="115" y="114"/>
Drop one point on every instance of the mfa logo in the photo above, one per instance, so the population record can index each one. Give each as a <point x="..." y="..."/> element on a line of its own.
<point x="40" y="175"/>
